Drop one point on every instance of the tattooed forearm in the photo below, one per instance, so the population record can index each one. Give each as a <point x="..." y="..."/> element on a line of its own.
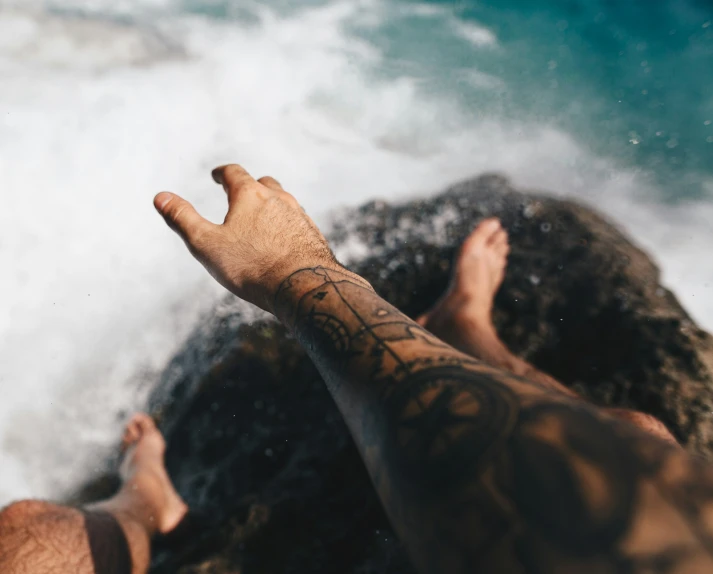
<point x="484" y="471"/>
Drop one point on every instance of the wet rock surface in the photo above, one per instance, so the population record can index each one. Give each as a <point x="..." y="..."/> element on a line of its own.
<point x="257" y="447"/>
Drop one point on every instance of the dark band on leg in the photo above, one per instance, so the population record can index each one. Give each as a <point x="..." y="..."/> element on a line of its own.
<point x="108" y="544"/>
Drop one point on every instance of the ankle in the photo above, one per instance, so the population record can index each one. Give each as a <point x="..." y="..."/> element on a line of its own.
<point x="473" y="315"/>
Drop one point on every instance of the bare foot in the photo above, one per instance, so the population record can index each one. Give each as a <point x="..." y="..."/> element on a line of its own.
<point x="478" y="274"/>
<point x="144" y="473"/>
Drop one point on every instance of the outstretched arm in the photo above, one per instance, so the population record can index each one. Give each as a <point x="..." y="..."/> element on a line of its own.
<point x="478" y="470"/>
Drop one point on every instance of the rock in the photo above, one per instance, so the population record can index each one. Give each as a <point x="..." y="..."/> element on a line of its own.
<point x="256" y="443"/>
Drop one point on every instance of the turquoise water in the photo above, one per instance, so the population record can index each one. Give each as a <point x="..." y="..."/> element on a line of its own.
<point x="105" y="102"/>
<point x="632" y="79"/>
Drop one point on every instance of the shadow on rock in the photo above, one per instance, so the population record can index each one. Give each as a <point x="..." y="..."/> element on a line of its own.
<point x="257" y="447"/>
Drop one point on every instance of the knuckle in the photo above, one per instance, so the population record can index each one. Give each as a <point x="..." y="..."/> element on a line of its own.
<point x="290" y="199"/>
<point x="199" y="237"/>
<point x="177" y="209"/>
<point x="269" y="181"/>
<point x="276" y="203"/>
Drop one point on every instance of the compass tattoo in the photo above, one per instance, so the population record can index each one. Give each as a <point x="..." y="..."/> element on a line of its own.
<point x="483" y="471"/>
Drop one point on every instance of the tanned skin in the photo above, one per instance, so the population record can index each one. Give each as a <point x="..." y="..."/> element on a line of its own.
<point x="480" y="470"/>
<point x="110" y="537"/>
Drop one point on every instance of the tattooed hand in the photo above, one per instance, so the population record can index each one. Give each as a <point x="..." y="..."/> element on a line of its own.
<point x="265" y="236"/>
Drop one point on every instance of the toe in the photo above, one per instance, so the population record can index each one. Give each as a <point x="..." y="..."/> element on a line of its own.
<point x="125" y="440"/>
<point x="498" y="245"/>
<point x="144" y="423"/>
<point x="498" y="238"/>
<point x="131" y="435"/>
<point x="488" y="228"/>
<point x="481" y="235"/>
<point x="139" y="425"/>
<point x="501" y="246"/>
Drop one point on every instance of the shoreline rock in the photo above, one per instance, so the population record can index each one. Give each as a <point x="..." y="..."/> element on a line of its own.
<point x="256" y="444"/>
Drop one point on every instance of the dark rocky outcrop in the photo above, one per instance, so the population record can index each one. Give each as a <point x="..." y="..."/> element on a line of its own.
<point x="257" y="445"/>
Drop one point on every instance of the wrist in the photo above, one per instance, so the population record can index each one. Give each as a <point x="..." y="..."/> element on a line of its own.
<point x="303" y="278"/>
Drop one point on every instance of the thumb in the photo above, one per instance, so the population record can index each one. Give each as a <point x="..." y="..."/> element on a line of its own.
<point x="180" y="216"/>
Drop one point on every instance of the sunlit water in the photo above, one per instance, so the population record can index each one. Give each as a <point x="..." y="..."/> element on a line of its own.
<point x="103" y="103"/>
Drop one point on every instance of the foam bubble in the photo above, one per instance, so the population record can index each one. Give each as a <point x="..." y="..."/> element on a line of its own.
<point x="478" y="36"/>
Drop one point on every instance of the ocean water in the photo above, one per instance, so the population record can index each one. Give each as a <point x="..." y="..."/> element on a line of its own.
<point x="103" y="103"/>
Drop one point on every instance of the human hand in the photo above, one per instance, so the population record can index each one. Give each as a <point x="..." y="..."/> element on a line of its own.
<point x="265" y="237"/>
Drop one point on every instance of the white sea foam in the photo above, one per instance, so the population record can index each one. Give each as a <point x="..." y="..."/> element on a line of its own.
<point x="97" y="115"/>
<point x="479" y="36"/>
<point x="79" y="43"/>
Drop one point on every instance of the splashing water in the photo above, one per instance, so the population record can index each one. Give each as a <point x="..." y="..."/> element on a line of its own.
<point x="103" y="104"/>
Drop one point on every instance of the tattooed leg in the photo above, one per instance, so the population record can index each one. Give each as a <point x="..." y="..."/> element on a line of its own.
<point x="463" y="316"/>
